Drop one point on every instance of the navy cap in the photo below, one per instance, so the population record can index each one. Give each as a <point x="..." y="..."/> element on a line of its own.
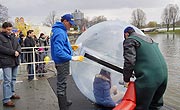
<point x="69" y="18"/>
<point x="127" y="29"/>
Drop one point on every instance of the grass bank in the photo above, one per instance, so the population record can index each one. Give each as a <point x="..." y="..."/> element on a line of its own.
<point x="164" y="32"/>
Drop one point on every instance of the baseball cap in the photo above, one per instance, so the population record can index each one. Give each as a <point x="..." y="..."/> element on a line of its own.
<point x="69" y="18"/>
<point x="127" y="29"/>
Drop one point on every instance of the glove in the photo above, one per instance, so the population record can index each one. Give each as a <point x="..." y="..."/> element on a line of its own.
<point x="77" y="58"/>
<point x="75" y="47"/>
<point x="121" y="83"/>
<point x="126" y="84"/>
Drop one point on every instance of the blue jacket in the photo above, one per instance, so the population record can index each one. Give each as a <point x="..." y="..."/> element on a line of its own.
<point x="101" y="89"/>
<point x="61" y="50"/>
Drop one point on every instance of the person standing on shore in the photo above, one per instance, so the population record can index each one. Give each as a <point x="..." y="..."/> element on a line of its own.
<point x="9" y="61"/>
<point x="29" y="42"/>
<point x="143" y="57"/>
<point x="61" y="53"/>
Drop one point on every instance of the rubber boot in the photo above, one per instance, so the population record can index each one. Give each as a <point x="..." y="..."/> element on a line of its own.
<point x="69" y="102"/>
<point x="62" y="102"/>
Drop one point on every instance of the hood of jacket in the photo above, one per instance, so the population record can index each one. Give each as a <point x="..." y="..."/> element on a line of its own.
<point x="59" y="25"/>
<point x="61" y="50"/>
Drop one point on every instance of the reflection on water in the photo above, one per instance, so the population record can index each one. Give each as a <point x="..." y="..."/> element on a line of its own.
<point x="170" y="47"/>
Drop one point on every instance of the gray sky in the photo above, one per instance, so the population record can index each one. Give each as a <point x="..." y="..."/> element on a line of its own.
<point x="35" y="11"/>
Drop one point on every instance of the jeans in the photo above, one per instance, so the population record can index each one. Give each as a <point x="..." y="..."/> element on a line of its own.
<point x="9" y="75"/>
<point x="23" y="60"/>
<point x="1" y="74"/>
<point x="30" y="71"/>
<point x="62" y="73"/>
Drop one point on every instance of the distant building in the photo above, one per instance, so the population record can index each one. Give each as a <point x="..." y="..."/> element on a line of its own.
<point x="78" y="18"/>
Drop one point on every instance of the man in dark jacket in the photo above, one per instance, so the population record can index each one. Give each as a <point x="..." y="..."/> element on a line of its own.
<point x="9" y="61"/>
<point x="29" y="42"/>
<point x="142" y="55"/>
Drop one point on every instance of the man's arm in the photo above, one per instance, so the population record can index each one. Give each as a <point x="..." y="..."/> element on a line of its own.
<point x="129" y="46"/>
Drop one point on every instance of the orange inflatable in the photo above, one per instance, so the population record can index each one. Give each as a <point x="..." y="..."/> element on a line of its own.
<point x="129" y="100"/>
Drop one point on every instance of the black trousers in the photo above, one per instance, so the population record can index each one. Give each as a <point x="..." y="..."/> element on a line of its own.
<point x="62" y="73"/>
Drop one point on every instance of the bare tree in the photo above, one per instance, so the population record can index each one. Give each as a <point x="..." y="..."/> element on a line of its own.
<point x="85" y="21"/>
<point x="85" y="24"/>
<point x="51" y="19"/>
<point x="138" y="18"/>
<point x="3" y="13"/>
<point x="166" y="17"/>
<point x="170" y="15"/>
<point x="96" y="20"/>
<point x="174" y="14"/>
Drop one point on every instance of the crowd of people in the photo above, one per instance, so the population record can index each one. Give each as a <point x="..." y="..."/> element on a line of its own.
<point x="32" y="41"/>
<point x="11" y="55"/>
<point x="141" y="56"/>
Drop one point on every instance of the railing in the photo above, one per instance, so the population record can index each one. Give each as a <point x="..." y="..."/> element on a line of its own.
<point x="35" y="59"/>
<point x="32" y="55"/>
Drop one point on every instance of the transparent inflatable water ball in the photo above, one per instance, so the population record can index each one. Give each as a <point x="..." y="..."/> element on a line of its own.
<point x="102" y="46"/>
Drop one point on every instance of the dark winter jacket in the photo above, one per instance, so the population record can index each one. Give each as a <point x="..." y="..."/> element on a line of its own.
<point x="130" y="46"/>
<point x="8" y="46"/>
<point x="29" y="42"/>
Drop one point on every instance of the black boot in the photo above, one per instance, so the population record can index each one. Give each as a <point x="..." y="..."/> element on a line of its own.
<point x="62" y="102"/>
<point x="69" y="102"/>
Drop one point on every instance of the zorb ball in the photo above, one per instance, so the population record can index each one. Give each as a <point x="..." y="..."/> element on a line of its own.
<point x="102" y="46"/>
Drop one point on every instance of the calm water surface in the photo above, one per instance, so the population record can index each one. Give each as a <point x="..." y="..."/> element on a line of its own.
<point x="170" y="46"/>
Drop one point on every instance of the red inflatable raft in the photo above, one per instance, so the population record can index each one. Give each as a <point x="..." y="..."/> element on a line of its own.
<point x="129" y="100"/>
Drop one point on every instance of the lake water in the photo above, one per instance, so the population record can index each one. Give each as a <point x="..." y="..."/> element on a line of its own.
<point x="170" y="46"/>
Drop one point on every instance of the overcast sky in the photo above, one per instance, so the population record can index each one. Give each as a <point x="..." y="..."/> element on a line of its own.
<point x="35" y="11"/>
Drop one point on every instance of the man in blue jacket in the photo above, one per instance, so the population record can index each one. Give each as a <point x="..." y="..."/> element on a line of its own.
<point x="61" y="53"/>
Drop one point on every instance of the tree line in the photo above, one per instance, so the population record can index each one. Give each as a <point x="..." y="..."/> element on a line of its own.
<point x="170" y="16"/>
